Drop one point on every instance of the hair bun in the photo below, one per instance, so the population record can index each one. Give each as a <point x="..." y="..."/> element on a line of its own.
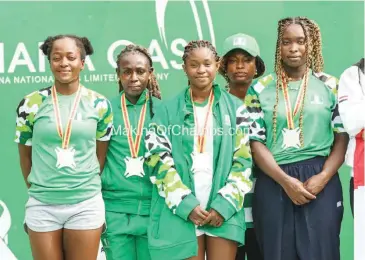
<point x="46" y="45"/>
<point x="89" y="50"/>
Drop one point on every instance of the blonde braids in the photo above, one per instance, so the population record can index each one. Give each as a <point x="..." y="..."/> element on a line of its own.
<point x="279" y="72"/>
<point x="316" y="40"/>
<point x="309" y="62"/>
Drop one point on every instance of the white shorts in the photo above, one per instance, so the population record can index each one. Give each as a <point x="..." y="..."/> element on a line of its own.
<point x="88" y="214"/>
<point x="199" y="233"/>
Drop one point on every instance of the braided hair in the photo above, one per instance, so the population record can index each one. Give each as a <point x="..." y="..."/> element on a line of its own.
<point x="193" y="45"/>
<point x="314" y="61"/>
<point x="82" y="43"/>
<point x="152" y="86"/>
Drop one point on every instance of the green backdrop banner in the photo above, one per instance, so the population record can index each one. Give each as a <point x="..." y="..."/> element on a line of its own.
<point x="164" y="27"/>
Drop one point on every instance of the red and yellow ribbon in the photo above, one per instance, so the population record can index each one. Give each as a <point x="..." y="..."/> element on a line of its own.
<point x="289" y="113"/>
<point x="134" y="145"/>
<point x="65" y="137"/>
<point x="202" y="137"/>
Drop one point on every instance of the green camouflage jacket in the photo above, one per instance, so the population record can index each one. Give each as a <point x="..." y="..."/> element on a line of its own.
<point x="170" y="232"/>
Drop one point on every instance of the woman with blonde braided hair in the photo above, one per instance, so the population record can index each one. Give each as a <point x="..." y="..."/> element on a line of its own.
<point x="126" y="186"/>
<point x="298" y="144"/>
<point x="200" y="150"/>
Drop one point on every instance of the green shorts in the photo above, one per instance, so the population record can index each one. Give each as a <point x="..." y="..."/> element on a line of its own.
<point x="125" y="237"/>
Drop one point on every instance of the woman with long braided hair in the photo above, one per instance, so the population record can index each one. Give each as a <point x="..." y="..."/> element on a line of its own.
<point x="199" y="148"/>
<point x="298" y="144"/>
<point x="126" y="186"/>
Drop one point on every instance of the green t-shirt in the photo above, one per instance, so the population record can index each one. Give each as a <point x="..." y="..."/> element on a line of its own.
<point x="36" y="127"/>
<point x="320" y="116"/>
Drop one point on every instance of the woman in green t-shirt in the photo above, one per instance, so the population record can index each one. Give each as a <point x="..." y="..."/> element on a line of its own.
<point x="126" y="188"/>
<point x="298" y="143"/>
<point x="61" y="132"/>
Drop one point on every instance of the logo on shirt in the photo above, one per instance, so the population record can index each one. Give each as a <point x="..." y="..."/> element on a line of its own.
<point x="78" y="117"/>
<point x="227" y="120"/>
<point x="316" y="100"/>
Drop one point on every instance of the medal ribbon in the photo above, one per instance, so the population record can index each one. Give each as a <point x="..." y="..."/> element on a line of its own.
<point x="289" y="114"/>
<point x="65" y="137"/>
<point x="133" y="144"/>
<point x="201" y="138"/>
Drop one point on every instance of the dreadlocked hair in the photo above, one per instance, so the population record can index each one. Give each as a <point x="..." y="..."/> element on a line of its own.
<point x="152" y="86"/>
<point x="314" y="61"/>
<point x="193" y="45"/>
<point x="82" y="43"/>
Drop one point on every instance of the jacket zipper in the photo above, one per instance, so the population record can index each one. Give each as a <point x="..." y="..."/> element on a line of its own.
<point x="140" y="183"/>
<point x="211" y="191"/>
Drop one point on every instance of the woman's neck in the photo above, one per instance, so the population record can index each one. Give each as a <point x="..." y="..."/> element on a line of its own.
<point x="132" y="99"/>
<point x="67" y="88"/>
<point x="239" y="90"/>
<point x="200" y="95"/>
<point x="295" y="74"/>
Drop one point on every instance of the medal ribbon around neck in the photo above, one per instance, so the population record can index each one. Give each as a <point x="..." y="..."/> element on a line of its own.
<point x="289" y="114"/>
<point x="201" y="138"/>
<point x="134" y="145"/>
<point x="65" y="137"/>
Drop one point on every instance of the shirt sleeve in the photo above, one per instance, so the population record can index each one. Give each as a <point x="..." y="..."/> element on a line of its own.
<point x="351" y="101"/>
<point x="336" y="120"/>
<point x="256" y="115"/>
<point x="178" y="197"/>
<point x="238" y="183"/>
<point x="25" y="114"/>
<point x="105" y="123"/>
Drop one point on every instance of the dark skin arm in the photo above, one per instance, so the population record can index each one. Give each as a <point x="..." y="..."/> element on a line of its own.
<point x="25" y="158"/>
<point x="101" y="150"/>
<point x="293" y="187"/>
<point x="316" y="183"/>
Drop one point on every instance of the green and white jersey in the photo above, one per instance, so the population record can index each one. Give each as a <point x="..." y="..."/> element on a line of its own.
<point x="320" y="116"/>
<point x="36" y="127"/>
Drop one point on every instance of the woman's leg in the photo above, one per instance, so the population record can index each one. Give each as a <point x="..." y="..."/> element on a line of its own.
<point x="46" y="245"/>
<point x="83" y="228"/>
<point x="44" y="225"/>
<point x="81" y="244"/>
<point x="220" y="249"/>
<point x="201" y="249"/>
